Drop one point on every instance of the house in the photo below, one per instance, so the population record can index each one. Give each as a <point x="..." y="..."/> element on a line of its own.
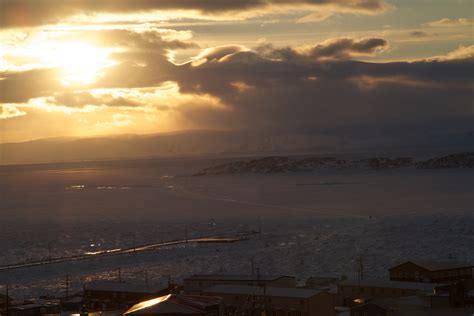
<point x="25" y="310"/>
<point x="120" y="295"/>
<point x="176" y="305"/>
<point x="350" y="290"/>
<point x="3" y="300"/>
<point x="431" y="272"/>
<point x="369" y="309"/>
<point x="410" y="305"/>
<point x="197" y="283"/>
<point x="275" y="301"/>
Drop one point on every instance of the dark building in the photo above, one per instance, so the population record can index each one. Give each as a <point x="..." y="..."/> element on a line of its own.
<point x="103" y="296"/>
<point x="25" y="310"/>
<point x="197" y="283"/>
<point x="274" y="301"/>
<point x="431" y="272"/>
<point x="176" y="305"/>
<point x="3" y="301"/>
<point x="352" y="290"/>
<point x="369" y="309"/>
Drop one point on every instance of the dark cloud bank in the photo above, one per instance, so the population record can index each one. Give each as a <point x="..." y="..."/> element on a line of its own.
<point x="314" y="90"/>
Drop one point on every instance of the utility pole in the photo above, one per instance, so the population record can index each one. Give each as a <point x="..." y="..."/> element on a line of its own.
<point x="119" y="274"/>
<point x="264" y="299"/>
<point x="186" y="234"/>
<point x="67" y="287"/>
<point x="7" y="301"/>
<point x="360" y="270"/>
<point x="146" y="278"/>
<point x="134" y="243"/>
<point x="259" y="226"/>
<point x="49" y="252"/>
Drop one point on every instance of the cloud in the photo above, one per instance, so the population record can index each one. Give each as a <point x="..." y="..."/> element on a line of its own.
<point x="333" y="49"/>
<point x="445" y="22"/>
<point x="40" y="12"/>
<point x="419" y="34"/>
<point x="329" y="94"/>
<point x="320" y="88"/>
<point x="461" y="53"/>
<point x="8" y="111"/>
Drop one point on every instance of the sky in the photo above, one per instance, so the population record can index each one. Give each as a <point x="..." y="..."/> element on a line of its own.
<point x="82" y="68"/>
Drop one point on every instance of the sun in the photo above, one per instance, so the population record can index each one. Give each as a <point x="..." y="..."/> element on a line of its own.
<point x="81" y="63"/>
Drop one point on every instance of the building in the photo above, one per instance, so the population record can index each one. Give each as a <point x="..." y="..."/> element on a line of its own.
<point x="431" y="272"/>
<point x="3" y="300"/>
<point x="369" y="309"/>
<point x="120" y="295"/>
<point x="403" y="306"/>
<point x="175" y="305"/>
<point x="40" y="308"/>
<point x="350" y="290"/>
<point x="25" y="310"/>
<point x="275" y="301"/>
<point x="197" y="283"/>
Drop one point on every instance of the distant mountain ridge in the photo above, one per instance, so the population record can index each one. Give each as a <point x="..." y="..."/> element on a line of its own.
<point x="288" y="164"/>
<point x="219" y="143"/>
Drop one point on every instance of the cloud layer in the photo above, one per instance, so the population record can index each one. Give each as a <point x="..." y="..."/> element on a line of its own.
<point x="321" y="88"/>
<point x="40" y="12"/>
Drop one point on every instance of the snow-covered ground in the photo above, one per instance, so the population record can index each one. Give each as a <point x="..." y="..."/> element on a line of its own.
<point x="313" y="224"/>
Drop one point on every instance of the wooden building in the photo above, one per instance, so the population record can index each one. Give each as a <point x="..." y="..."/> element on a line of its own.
<point x="431" y="272"/>
<point x="197" y="283"/>
<point x="274" y="301"/>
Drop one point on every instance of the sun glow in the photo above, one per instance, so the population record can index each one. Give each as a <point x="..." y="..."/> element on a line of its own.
<point x="81" y="63"/>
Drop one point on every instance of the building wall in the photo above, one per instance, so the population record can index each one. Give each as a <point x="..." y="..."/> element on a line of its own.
<point x="413" y="273"/>
<point x="409" y="272"/>
<point x="319" y="305"/>
<point x="351" y="292"/>
<point x="195" y="286"/>
<point x="369" y="310"/>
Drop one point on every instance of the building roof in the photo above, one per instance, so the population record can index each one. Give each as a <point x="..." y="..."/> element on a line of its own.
<point x="174" y="304"/>
<point x="261" y="291"/>
<point x="381" y="305"/>
<point x="125" y="287"/>
<point x="437" y="265"/>
<point x="26" y="306"/>
<point x="392" y="284"/>
<point x="236" y="277"/>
